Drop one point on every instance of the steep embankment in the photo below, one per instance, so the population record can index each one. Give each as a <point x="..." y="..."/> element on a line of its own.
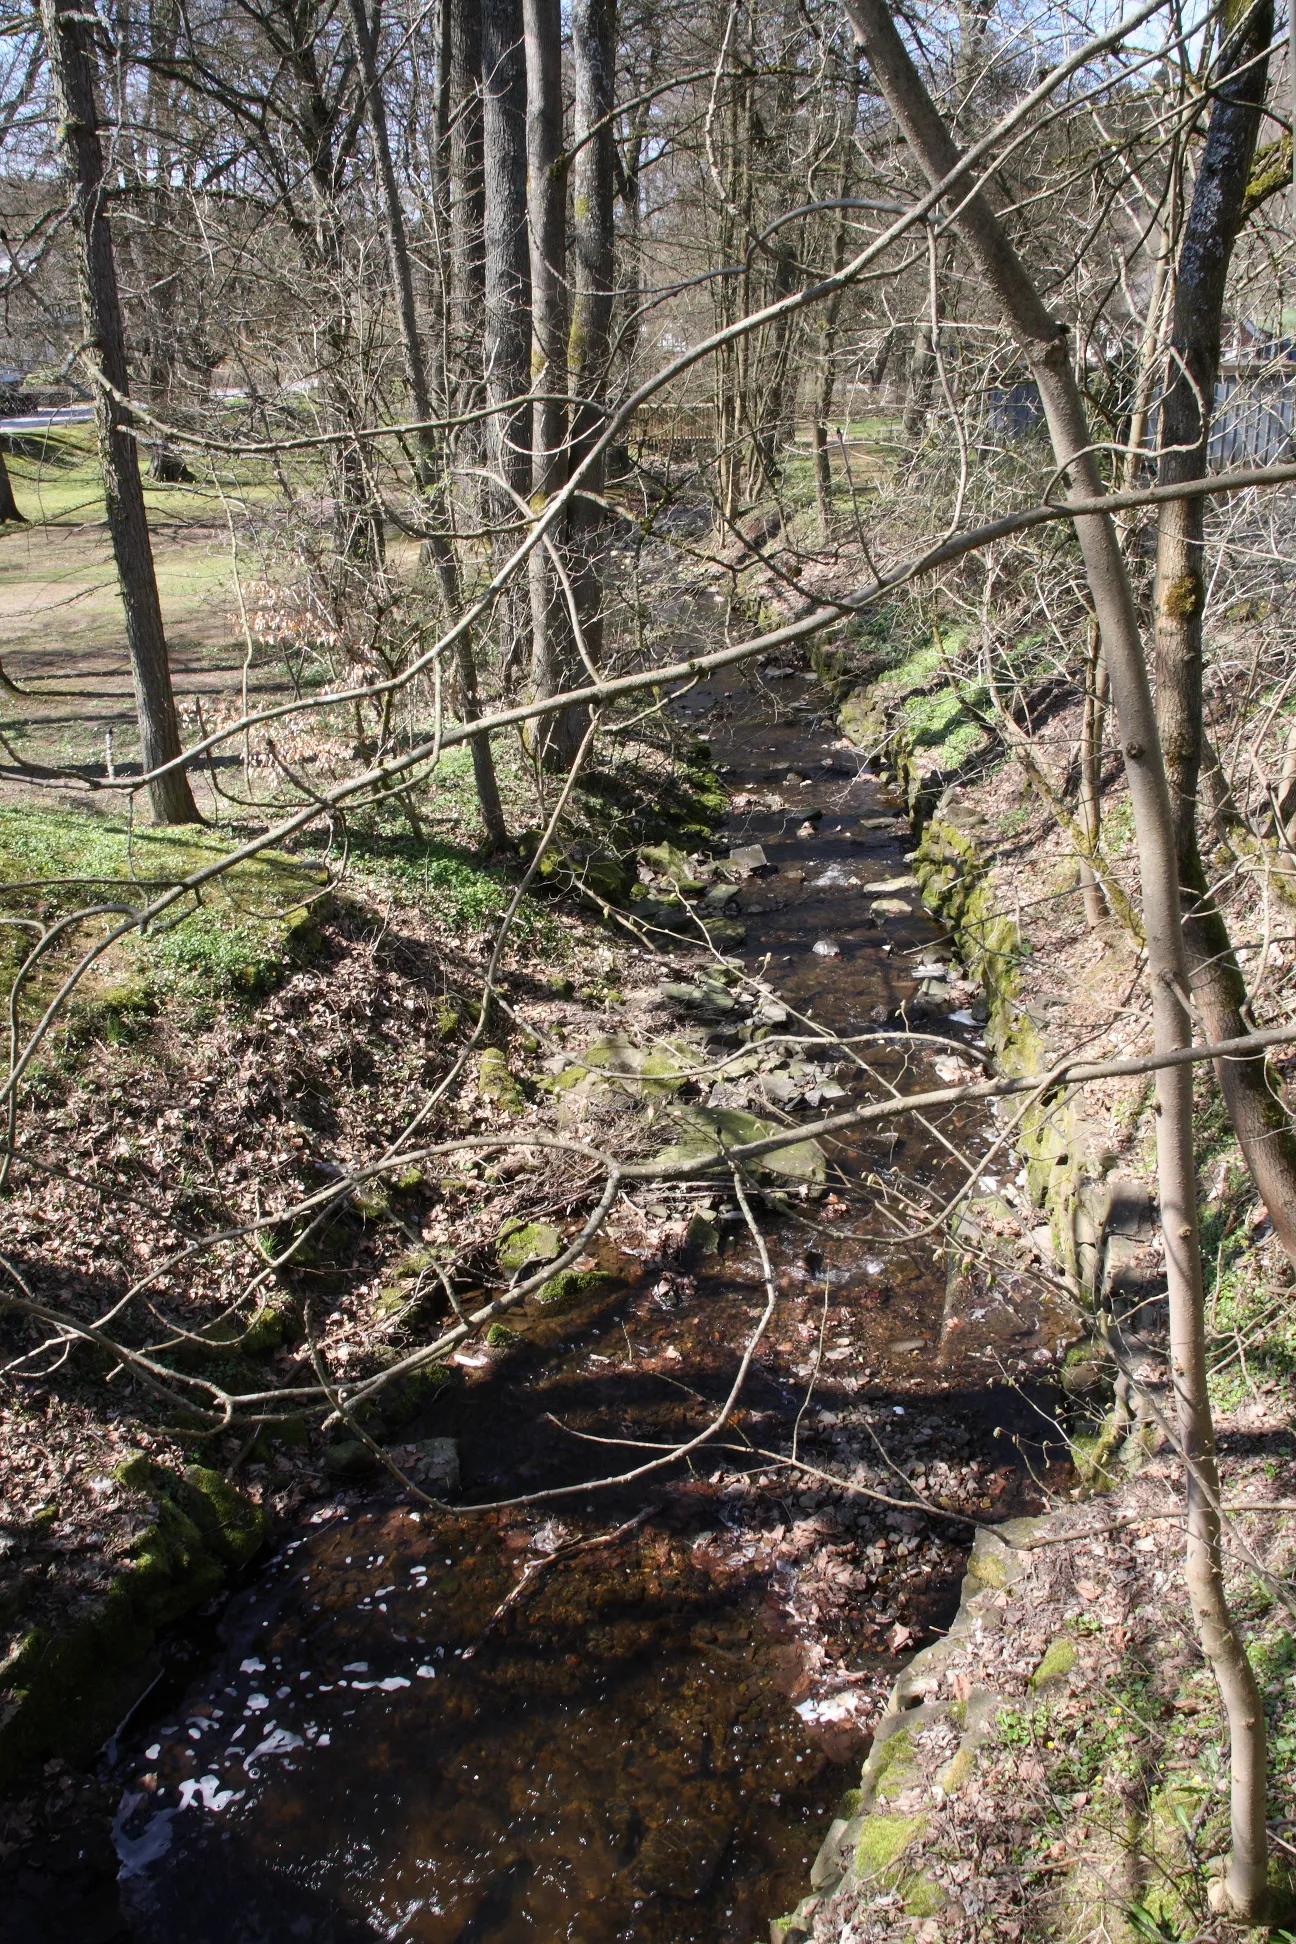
<point x="1056" y="1766"/>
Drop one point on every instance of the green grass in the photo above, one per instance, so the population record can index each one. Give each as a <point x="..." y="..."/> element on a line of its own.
<point x="56" y="479"/>
<point x="238" y="935"/>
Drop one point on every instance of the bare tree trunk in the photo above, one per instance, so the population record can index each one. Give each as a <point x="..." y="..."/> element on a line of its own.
<point x="8" y="504"/>
<point x="1045" y="345"/>
<point x="507" y="335"/>
<point x="1091" y="741"/>
<point x="467" y="200"/>
<point x="553" y="657"/>
<point x="828" y="348"/>
<point x="1095" y="697"/>
<point x="922" y="377"/>
<point x="1251" y="1094"/>
<point x="72" y="66"/>
<point x="593" y="183"/>
<point x="430" y="461"/>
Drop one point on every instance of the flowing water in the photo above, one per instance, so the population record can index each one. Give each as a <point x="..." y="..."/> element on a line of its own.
<point x="649" y="1743"/>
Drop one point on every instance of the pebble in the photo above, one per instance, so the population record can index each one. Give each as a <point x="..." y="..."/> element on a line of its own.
<point x="825" y="948"/>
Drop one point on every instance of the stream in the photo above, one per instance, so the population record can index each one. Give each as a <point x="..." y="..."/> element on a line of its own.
<point x="650" y="1744"/>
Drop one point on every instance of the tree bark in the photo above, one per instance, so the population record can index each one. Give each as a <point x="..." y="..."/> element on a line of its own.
<point x="1044" y="343"/>
<point x="431" y="477"/>
<point x="1251" y="1094"/>
<point x="1091" y="741"/>
<point x="467" y="200"/>
<point x="8" y="504"/>
<point x="72" y="67"/>
<point x="507" y="334"/>
<point x="827" y="375"/>
<point x="594" y="188"/>
<point x="553" y="658"/>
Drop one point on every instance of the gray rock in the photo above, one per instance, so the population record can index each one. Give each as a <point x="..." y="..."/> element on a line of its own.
<point x="434" y="1464"/>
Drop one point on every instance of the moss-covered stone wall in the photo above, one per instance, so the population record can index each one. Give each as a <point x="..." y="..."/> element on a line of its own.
<point x="63" y="1693"/>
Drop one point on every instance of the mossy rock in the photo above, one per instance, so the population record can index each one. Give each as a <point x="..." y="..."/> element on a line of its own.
<point x="707" y="1132"/>
<point x="520" y="1243"/>
<point x="667" y="861"/>
<point x="404" y="1289"/>
<point x="725" y="933"/>
<point x="372" y="1200"/>
<point x="606" y="878"/>
<point x="572" y="1287"/>
<point x="701" y="1239"/>
<point x="275" y="1322"/>
<point x="410" y="1396"/>
<point x="893" y="1766"/>
<point x="64" y="1691"/>
<point x="649" y="1073"/>
<point x="351" y="1458"/>
<point x="496" y="1084"/>
<point x="1059" y="1659"/>
<point x="882" y="1842"/>
<point x="922" y="1896"/>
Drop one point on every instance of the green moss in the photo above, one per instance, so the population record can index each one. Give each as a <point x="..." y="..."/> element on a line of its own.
<point x="349" y="1458"/>
<point x="709" y="1131"/>
<point x="894" y="1766"/>
<point x="571" y="1287"/>
<point x="1059" y="1659"/>
<point x="958" y="1771"/>
<point x="883" y="1841"/>
<point x="496" y="1084"/>
<point x="276" y="1321"/>
<point x="989" y="1568"/>
<point x="64" y="1692"/>
<point x="408" y="1398"/>
<point x="371" y="1200"/>
<point x="1092" y="1455"/>
<point x="922" y="1897"/>
<point x="940" y="730"/>
<point x="522" y="1242"/>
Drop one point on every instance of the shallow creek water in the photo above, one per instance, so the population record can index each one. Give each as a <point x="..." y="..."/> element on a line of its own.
<point x="650" y="1744"/>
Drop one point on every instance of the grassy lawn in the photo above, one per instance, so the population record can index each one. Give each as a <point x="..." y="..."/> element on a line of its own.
<point x="60" y="610"/>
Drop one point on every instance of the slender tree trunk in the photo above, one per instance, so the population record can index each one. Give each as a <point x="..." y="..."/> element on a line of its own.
<point x="1095" y="697"/>
<point x="507" y="336"/>
<point x="1251" y="1094"/>
<point x="1091" y="742"/>
<point x="922" y="377"/>
<point x="593" y="184"/>
<point x="467" y="200"/>
<point x="430" y="460"/>
<point x="828" y="348"/>
<point x="8" y="504"/>
<point x="72" y="66"/>
<point x="1045" y="345"/>
<point x="553" y="657"/>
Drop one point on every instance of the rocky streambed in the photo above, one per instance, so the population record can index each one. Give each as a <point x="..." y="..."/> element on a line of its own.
<point x="632" y="1713"/>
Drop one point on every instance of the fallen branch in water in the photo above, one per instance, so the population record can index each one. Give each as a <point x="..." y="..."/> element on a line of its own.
<point x="531" y="1574"/>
